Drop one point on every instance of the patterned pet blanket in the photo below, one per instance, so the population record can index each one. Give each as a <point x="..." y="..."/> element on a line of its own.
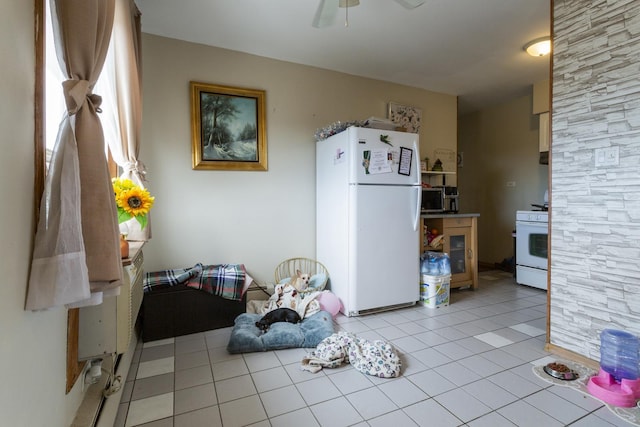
<point x="286" y="296"/>
<point x="224" y="280"/>
<point x="377" y="358"/>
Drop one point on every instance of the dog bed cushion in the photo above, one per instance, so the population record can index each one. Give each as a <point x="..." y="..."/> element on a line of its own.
<point x="246" y="337"/>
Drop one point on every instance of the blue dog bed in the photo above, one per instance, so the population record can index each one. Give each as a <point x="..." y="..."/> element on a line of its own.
<point x="246" y="337"/>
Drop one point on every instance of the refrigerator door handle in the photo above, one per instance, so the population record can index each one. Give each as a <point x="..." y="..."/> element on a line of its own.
<point x="416" y="220"/>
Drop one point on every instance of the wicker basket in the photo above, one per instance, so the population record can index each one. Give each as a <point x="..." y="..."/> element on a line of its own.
<point x="288" y="268"/>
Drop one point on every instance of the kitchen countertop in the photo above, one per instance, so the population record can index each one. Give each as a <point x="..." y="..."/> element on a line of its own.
<point x="449" y="215"/>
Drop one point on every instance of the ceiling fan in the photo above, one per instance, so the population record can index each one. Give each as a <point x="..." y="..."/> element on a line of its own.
<point x="328" y="10"/>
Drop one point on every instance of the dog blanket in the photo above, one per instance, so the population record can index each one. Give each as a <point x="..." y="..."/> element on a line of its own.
<point x="377" y="358"/>
<point x="286" y="296"/>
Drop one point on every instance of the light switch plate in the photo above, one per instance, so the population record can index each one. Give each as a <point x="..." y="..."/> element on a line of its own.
<point x="607" y="156"/>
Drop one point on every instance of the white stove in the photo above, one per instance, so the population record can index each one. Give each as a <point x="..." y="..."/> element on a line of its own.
<point x="532" y="216"/>
<point x="532" y="231"/>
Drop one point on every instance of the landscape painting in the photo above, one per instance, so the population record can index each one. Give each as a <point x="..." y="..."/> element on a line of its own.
<point x="228" y="127"/>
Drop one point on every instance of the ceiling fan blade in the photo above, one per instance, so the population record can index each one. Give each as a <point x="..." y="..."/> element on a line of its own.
<point x="326" y="13"/>
<point x="410" y="4"/>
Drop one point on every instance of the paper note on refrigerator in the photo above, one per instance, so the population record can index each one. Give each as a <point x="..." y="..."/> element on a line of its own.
<point x="379" y="162"/>
<point x="406" y="154"/>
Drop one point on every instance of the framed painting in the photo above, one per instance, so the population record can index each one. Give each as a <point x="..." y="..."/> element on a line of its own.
<point x="228" y="128"/>
<point x="409" y="118"/>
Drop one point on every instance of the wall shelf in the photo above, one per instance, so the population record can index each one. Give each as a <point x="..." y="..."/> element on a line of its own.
<point x="437" y="173"/>
<point x="431" y="174"/>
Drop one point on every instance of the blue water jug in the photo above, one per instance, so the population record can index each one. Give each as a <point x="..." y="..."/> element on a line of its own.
<point x="620" y="354"/>
<point x="424" y="264"/>
<point x="444" y="265"/>
<point x="435" y="264"/>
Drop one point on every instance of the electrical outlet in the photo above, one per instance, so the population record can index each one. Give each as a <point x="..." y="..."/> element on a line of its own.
<point x="607" y="156"/>
<point x="511" y="184"/>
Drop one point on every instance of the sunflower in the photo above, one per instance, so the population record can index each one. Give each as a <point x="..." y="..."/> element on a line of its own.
<point x="121" y="184"/>
<point x="132" y="201"/>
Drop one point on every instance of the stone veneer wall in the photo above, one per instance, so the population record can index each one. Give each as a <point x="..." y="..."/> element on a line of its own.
<point x="595" y="211"/>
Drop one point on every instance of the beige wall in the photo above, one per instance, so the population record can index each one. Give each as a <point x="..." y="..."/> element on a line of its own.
<point x="500" y="145"/>
<point x="255" y="218"/>
<point x="32" y="345"/>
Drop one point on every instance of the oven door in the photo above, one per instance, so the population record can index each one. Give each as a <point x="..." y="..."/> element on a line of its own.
<point x="531" y="244"/>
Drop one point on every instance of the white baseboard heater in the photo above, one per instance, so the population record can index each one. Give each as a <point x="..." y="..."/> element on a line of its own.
<point x="107" y="328"/>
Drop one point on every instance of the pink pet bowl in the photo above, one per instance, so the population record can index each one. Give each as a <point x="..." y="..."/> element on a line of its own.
<point x="604" y="387"/>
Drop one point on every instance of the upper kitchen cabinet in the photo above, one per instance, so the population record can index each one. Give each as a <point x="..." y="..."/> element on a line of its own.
<point x="541" y="107"/>
<point x="541" y="102"/>
<point x="543" y="138"/>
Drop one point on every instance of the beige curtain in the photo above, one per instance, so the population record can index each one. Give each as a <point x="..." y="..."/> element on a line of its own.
<point x="125" y="79"/>
<point x="76" y="256"/>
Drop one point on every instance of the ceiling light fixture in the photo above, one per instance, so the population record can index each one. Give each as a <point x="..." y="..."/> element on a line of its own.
<point x="346" y="4"/>
<point x="538" y="47"/>
<point x="349" y="3"/>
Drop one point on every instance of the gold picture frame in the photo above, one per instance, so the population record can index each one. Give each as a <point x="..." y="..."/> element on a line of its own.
<point x="228" y="128"/>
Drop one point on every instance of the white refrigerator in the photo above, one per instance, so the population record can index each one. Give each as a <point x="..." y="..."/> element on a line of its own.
<point x="368" y="190"/>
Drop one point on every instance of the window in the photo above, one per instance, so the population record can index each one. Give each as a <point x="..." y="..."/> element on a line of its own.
<point x="55" y="105"/>
<point x="49" y="111"/>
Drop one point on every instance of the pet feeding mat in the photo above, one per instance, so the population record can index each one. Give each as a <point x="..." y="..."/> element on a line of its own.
<point x="630" y="415"/>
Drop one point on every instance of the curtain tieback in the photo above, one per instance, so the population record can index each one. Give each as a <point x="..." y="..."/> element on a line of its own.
<point x="136" y="167"/>
<point x="76" y="92"/>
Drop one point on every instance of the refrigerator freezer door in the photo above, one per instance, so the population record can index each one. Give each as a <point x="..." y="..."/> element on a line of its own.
<point x="394" y="161"/>
<point x="383" y="248"/>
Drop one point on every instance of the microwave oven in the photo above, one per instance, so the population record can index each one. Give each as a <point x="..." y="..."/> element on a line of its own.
<point x="442" y="199"/>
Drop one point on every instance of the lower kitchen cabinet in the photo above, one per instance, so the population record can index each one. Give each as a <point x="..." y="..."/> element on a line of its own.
<point x="459" y="241"/>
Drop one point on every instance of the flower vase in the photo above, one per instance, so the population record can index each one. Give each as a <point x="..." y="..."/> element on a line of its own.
<point x="124" y="246"/>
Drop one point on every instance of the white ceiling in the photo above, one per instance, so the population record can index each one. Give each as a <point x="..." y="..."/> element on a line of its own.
<point x="469" y="48"/>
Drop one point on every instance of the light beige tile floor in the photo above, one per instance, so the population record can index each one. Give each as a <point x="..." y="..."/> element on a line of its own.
<point x="468" y="364"/>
